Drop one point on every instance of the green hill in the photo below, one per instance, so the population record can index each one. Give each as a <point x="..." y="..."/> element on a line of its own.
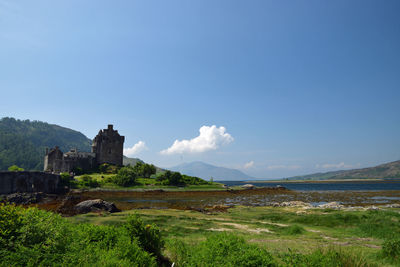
<point x="24" y="142"/>
<point x="389" y="170"/>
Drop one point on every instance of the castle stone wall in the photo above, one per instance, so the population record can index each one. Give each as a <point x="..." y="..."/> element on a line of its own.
<point x="108" y="146"/>
<point x="29" y="182"/>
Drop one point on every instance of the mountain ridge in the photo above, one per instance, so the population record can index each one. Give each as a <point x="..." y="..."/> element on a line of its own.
<point x="390" y="170"/>
<point x="208" y="171"/>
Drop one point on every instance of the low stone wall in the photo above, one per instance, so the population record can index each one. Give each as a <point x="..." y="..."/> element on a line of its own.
<point x="21" y="182"/>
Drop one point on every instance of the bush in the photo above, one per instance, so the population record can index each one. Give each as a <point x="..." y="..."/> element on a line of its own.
<point x="10" y="222"/>
<point x="32" y="237"/>
<point x="194" y="180"/>
<point x="88" y="181"/>
<point x="108" y="168"/>
<point x="15" y="168"/>
<point x="144" y="170"/>
<point x="391" y="249"/>
<point x="222" y="250"/>
<point x="176" y="179"/>
<point x="294" y="230"/>
<point x="323" y="258"/>
<point x="170" y="178"/>
<point x="126" y="177"/>
<point x="148" y="236"/>
<point x="65" y="179"/>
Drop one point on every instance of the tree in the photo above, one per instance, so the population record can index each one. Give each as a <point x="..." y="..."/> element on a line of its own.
<point x="175" y="179"/>
<point x="164" y="176"/>
<point x="144" y="170"/>
<point x="138" y="168"/>
<point x="148" y="170"/>
<point x="126" y="177"/>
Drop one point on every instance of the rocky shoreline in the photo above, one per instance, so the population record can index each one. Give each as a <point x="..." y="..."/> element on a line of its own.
<point x="205" y="201"/>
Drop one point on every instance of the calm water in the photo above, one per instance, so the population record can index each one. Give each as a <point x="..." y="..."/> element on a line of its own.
<point x="328" y="186"/>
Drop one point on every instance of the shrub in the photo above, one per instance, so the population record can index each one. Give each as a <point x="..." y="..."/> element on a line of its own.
<point x="171" y="178"/>
<point x="32" y="237"/>
<point x="194" y="180"/>
<point x="126" y="177"/>
<point x="148" y="236"/>
<point x="88" y="181"/>
<point x="294" y="230"/>
<point x="108" y="168"/>
<point x="15" y="168"/>
<point x="65" y="179"/>
<point x="144" y="170"/>
<point x="164" y="176"/>
<point x="176" y="179"/>
<point x="391" y="248"/>
<point x="10" y="222"/>
<point x="323" y="258"/>
<point x="223" y="250"/>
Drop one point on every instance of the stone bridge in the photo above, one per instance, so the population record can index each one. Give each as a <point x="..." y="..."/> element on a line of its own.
<point x="29" y="182"/>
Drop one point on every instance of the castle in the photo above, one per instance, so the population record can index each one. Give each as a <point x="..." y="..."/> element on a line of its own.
<point x="107" y="147"/>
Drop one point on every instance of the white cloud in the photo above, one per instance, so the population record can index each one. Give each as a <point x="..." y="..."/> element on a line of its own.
<point x="283" y="167"/>
<point x="210" y="138"/>
<point x="340" y="165"/>
<point x="136" y="149"/>
<point x="249" y="165"/>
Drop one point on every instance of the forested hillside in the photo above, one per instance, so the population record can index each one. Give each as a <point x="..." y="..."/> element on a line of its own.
<point x="23" y="142"/>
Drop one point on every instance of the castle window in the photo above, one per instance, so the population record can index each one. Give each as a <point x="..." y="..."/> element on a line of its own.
<point x="109" y="151"/>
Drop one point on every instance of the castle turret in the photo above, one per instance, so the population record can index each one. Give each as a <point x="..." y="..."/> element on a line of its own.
<point x="108" y="146"/>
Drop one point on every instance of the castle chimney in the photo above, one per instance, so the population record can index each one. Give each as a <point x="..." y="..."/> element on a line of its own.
<point x="110" y="127"/>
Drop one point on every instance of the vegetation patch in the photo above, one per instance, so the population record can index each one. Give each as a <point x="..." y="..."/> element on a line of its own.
<point x="38" y="238"/>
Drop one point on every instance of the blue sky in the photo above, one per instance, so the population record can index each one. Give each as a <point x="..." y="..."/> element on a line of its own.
<point x="292" y="87"/>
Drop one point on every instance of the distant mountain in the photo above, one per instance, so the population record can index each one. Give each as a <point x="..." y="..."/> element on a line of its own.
<point x="131" y="161"/>
<point x="207" y="171"/>
<point x="384" y="171"/>
<point x="24" y="142"/>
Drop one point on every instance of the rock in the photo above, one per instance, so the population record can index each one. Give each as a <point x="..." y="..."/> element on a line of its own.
<point x="275" y="204"/>
<point x="394" y="205"/>
<point x="295" y="204"/>
<point x="24" y="198"/>
<point x="248" y="186"/>
<point x="331" y="205"/>
<point x="373" y="208"/>
<point x="95" y="205"/>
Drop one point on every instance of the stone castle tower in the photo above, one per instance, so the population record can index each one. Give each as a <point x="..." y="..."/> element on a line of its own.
<point x="108" y="146"/>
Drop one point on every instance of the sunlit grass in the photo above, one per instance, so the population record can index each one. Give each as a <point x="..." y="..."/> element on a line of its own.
<point x="276" y="229"/>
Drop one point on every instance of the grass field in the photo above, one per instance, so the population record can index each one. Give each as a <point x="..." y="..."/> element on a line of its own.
<point x="359" y="234"/>
<point x="149" y="184"/>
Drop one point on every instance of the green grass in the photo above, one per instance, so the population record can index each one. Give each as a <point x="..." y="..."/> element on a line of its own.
<point x="148" y="184"/>
<point x="264" y="236"/>
<point x="278" y="230"/>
